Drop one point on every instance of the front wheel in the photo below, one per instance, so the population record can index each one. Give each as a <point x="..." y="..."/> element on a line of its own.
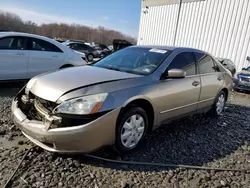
<point x="219" y="104"/>
<point x="131" y="129"/>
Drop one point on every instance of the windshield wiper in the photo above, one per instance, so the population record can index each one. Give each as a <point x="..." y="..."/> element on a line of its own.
<point x="113" y="68"/>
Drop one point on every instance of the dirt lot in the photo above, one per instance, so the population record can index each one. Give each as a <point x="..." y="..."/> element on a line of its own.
<point x="199" y="140"/>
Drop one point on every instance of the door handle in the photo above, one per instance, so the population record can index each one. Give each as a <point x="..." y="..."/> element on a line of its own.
<point x="196" y="83"/>
<point x="55" y="56"/>
<point x="219" y="78"/>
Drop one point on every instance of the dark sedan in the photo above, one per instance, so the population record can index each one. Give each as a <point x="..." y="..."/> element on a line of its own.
<point x="242" y="80"/>
<point x="89" y="51"/>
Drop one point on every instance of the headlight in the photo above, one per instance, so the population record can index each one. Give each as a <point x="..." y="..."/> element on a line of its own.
<point x="82" y="105"/>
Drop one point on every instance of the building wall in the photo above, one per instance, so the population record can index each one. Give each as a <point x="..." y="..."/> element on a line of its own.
<point x="220" y="27"/>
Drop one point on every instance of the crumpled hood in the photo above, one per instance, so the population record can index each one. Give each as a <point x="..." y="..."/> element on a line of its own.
<point x="53" y="85"/>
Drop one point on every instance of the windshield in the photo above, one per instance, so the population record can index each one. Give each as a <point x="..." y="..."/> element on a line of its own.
<point x="135" y="60"/>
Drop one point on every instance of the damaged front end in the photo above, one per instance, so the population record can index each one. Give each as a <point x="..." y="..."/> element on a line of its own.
<point x="64" y="133"/>
<point x="36" y="108"/>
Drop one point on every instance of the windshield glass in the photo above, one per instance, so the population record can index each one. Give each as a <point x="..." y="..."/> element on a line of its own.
<point x="135" y="60"/>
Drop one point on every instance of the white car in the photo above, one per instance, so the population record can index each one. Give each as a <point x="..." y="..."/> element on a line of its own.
<point x="23" y="56"/>
<point x="82" y="55"/>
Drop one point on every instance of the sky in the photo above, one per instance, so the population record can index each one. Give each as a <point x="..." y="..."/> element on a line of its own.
<point x="121" y="15"/>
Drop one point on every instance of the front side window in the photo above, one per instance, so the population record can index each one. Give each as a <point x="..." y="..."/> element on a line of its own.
<point x="184" y="61"/>
<point x="205" y="63"/>
<point x="41" y="45"/>
<point x="13" y="43"/>
<point x="137" y="60"/>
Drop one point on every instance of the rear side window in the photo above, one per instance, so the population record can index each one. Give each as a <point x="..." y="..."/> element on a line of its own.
<point x="13" y="43"/>
<point x="74" y="46"/>
<point x="205" y="63"/>
<point x="84" y="47"/>
<point x="184" y="61"/>
<point x="41" y="45"/>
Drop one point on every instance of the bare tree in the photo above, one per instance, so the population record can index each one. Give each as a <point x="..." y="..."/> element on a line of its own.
<point x="12" y="22"/>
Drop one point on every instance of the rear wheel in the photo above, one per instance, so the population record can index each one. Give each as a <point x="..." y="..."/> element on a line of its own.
<point x="90" y="57"/>
<point x="219" y="104"/>
<point x="131" y="129"/>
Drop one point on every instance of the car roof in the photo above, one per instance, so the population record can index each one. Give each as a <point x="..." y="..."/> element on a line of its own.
<point x="19" y="34"/>
<point x="172" y="48"/>
<point x="11" y="33"/>
<point x="73" y="42"/>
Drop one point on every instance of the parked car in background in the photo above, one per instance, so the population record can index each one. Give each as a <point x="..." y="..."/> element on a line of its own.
<point x="228" y="64"/>
<point x="59" y="40"/>
<point x="89" y="51"/>
<point x="23" y="56"/>
<point x="120" y="98"/>
<point x="103" y="48"/>
<point x="74" y="40"/>
<point x="242" y="80"/>
<point x="110" y="47"/>
<point x="82" y="55"/>
<point x="120" y="44"/>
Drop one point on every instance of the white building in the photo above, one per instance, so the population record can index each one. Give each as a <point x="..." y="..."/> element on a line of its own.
<point x="220" y="27"/>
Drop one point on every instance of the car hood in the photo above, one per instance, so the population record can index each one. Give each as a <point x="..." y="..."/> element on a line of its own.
<point x="51" y="86"/>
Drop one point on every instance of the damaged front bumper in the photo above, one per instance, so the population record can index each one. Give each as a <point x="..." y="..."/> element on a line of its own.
<point x="71" y="139"/>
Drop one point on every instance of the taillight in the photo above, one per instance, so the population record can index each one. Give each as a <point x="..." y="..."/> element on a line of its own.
<point x="85" y="59"/>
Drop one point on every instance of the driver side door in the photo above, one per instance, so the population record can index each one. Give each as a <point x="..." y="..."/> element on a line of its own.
<point x="180" y="96"/>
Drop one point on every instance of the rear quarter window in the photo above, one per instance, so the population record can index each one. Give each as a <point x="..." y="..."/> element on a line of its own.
<point x="206" y="64"/>
<point x="41" y="45"/>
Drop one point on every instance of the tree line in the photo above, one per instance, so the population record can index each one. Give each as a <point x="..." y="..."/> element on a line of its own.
<point x="12" y="22"/>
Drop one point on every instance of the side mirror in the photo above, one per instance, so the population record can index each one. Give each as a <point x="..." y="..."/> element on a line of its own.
<point x="243" y="69"/>
<point x="248" y="58"/>
<point x="176" y="73"/>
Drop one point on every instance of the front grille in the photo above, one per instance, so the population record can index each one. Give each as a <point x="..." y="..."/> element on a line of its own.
<point x="245" y="79"/>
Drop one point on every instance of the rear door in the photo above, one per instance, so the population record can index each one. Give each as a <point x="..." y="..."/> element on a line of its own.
<point x="44" y="56"/>
<point x="79" y="47"/>
<point x="211" y="80"/>
<point x="13" y="58"/>
<point x="84" y="48"/>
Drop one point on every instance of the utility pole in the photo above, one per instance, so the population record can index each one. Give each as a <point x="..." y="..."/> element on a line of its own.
<point x="177" y="24"/>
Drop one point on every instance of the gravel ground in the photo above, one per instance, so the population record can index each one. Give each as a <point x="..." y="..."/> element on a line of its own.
<point x="198" y="140"/>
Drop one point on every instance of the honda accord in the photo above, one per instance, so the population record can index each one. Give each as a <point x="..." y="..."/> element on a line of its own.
<point x="120" y="98"/>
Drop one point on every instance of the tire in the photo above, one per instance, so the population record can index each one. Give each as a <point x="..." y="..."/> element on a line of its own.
<point x="129" y="137"/>
<point x="219" y="104"/>
<point x="90" y="57"/>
